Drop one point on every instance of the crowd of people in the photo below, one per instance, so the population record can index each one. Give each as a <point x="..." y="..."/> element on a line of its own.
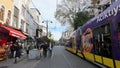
<point x="15" y="49"/>
<point x="46" y="48"/>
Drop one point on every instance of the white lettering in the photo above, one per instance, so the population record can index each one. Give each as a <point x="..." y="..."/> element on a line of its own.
<point x="103" y="17"/>
<point x="112" y="12"/>
<point x="98" y="19"/>
<point x="115" y="10"/>
<point x="106" y="15"/>
<point x="109" y="13"/>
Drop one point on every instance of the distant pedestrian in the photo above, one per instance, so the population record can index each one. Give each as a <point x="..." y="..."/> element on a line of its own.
<point x="45" y="47"/>
<point x="50" y="49"/>
<point x="17" y="51"/>
<point x="27" y="49"/>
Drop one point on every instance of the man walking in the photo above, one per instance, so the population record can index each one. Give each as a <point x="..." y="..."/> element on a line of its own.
<point x="45" y="47"/>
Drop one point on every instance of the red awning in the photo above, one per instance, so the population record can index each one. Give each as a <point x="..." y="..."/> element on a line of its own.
<point x="13" y="32"/>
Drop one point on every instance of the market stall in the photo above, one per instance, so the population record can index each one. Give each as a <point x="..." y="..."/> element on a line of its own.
<point x="3" y="50"/>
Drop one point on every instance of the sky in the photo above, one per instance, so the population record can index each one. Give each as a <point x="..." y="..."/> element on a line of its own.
<point x="47" y="9"/>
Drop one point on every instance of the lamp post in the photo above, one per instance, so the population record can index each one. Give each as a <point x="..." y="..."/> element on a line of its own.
<point x="47" y="21"/>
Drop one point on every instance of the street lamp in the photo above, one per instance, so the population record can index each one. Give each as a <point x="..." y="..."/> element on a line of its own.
<point x="46" y="21"/>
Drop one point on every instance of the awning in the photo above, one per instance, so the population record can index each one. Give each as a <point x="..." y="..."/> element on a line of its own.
<point x="12" y="32"/>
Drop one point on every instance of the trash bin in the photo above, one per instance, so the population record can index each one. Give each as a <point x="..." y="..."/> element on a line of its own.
<point x="34" y="54"/>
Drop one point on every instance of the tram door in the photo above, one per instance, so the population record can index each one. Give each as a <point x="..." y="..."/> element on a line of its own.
<point x="102" y="43"/>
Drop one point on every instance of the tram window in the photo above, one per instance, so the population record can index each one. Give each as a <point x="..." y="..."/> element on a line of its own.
<point x="96" y="41"/>
<point x="105" y="29"/>
<point x="102" y="41"/>
<point x="106" y="42"/>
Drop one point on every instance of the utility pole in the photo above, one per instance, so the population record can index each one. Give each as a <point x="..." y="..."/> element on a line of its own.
<point x="47" y="21"/>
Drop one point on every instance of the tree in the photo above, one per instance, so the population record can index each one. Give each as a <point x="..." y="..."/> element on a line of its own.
<point x="67" y="10"/>
<point x="80" y="19"/>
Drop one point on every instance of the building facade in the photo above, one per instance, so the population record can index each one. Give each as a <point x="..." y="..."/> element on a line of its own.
<point x="37" y="20"/>
<point x="29" y="19"/>
<point x="18" y="23"/>
<point x="8" y="33"/>
<point x="6" y="11"/>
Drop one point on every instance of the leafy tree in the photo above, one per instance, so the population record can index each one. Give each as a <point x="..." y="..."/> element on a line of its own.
<point x="67" y="10"/>
<point x="80" y="19"/>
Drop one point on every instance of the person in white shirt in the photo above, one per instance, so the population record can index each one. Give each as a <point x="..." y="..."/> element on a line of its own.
<point x="50" y="49"/>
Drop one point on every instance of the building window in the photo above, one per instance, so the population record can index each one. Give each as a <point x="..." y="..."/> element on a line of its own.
<point x="22" y="25"/>
<point x="15" y="18"/>
<point x="8" y="17"/>
<point x="23" y="11"/>
<point x="2" y="12"/>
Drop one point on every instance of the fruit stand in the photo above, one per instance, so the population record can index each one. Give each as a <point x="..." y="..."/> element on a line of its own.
<point x="2" y="53"/>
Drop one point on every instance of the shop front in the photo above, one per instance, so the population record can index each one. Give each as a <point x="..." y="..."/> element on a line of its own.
<point x="8" y="37"/>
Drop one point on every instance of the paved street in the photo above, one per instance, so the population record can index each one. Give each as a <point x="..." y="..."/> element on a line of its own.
<point x="63" y="59"/>
<point x="60" y="59"/>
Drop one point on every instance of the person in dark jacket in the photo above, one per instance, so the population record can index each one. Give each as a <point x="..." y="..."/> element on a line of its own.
<point x="45" y="47"/>
<point x="12" y="49"/>
<point x="18" y="48"/>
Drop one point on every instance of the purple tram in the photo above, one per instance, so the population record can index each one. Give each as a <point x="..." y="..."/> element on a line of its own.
<point x="99" y="39"/>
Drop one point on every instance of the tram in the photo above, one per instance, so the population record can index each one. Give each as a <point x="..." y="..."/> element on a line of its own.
<point x="99" y="39"/>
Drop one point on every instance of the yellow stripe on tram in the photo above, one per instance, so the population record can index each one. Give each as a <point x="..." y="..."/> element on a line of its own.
<point x="108" y="62"/>
<point x="89" y="56"/>
<point x="79" y="53"/>
<point x="98" y="58"/>
<point x="117" y="63"/>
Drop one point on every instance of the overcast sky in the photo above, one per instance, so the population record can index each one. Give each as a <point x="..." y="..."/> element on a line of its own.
<point x="47" y="9"/>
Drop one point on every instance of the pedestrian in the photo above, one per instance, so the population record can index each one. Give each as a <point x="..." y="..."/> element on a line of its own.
<point x="50" y="49"/>
<point x="27" y="49"/>
<point x="45" y="47"/>
<point x="17" y="51"/>
<point x="12" y="50"/>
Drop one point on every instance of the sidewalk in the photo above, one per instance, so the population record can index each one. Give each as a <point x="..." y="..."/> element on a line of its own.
<point x="26" y="63"/>
<point x="23" y="62"/>
<point x="10" y="61"/>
